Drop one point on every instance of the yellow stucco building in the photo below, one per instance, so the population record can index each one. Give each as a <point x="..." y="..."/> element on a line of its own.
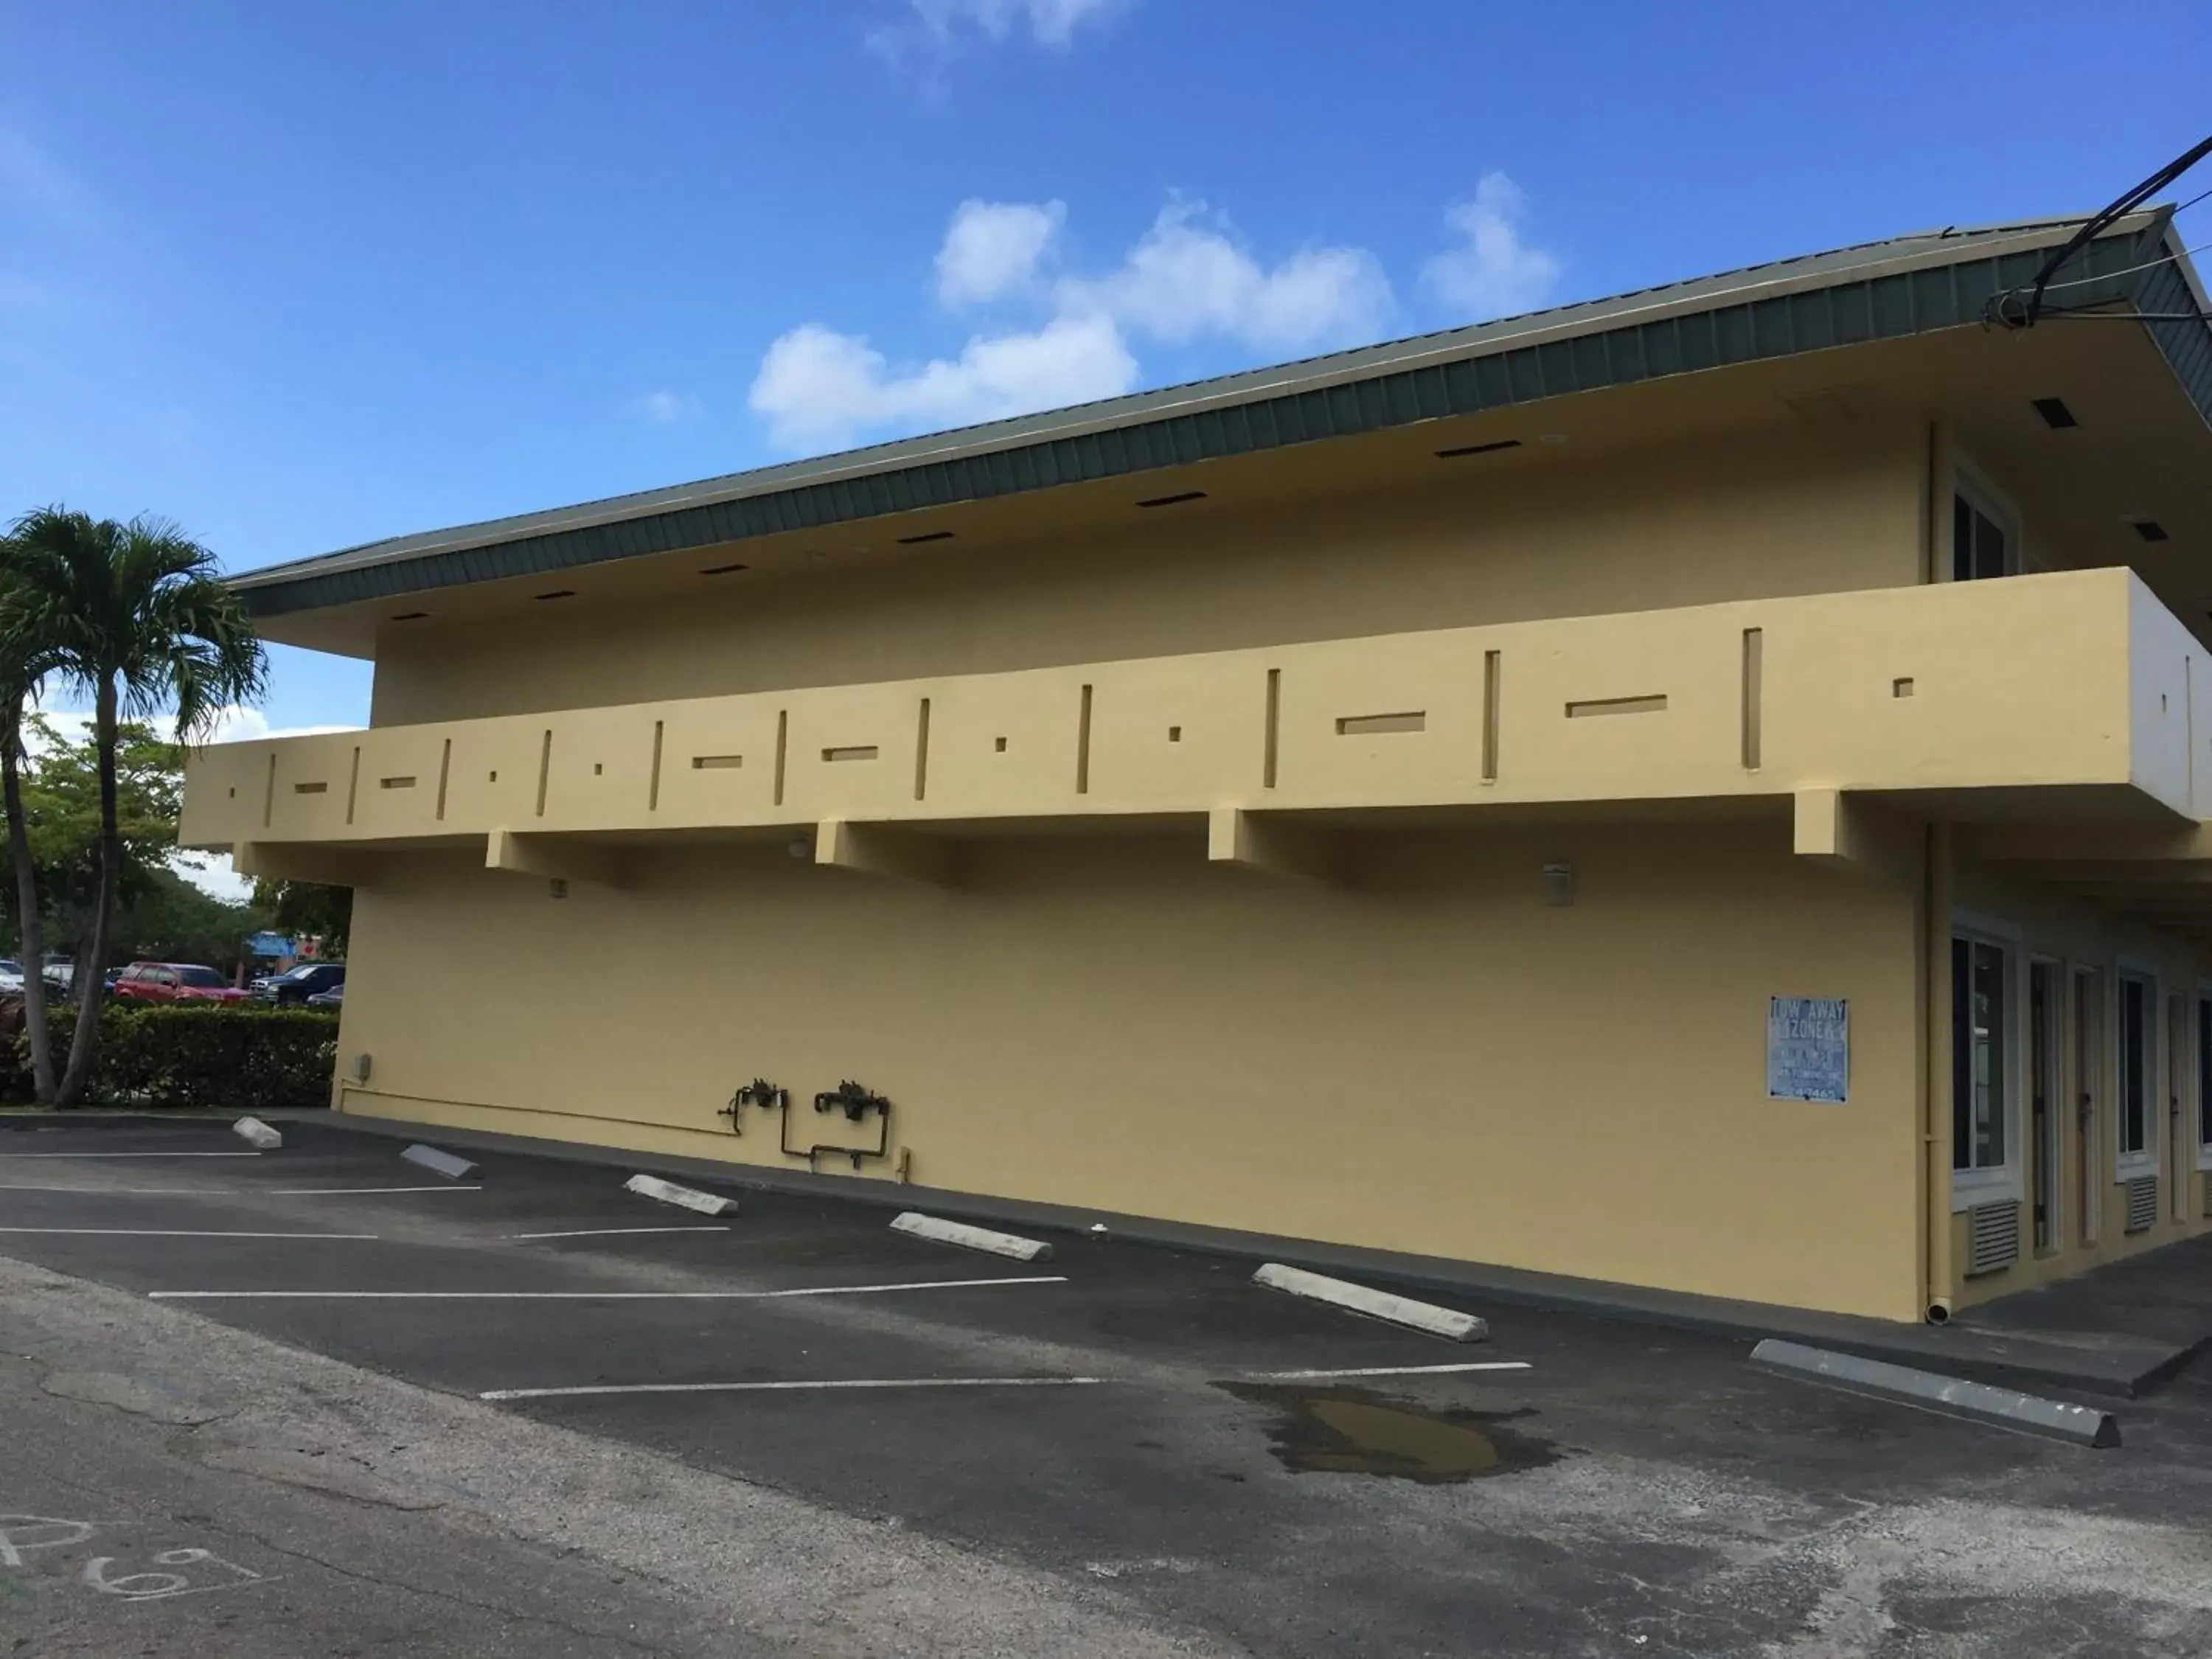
<point x="1705" y="790"/>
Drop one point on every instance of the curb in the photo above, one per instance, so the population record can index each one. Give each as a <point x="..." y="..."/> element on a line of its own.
<point x="689" y="1197"/>
<point x="1447" y="1323"/>
<point x="438" y="1162"/>
<point x="2010" y="1359"/>
<point x="1975" y="1402"/>
<point x="940" y="1231"/>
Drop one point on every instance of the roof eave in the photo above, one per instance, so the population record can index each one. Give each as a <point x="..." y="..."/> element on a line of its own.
<point x="1515" y="362"/>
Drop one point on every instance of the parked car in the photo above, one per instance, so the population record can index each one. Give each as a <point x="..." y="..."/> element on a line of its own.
<point x="333" y="998"/>
<point x="176" y="981"/>
<point x="11" y="981"/>
<point x="300" y="984"/>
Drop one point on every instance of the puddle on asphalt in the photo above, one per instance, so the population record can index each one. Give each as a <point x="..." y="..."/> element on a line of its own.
<point x="1354" y="1432"/>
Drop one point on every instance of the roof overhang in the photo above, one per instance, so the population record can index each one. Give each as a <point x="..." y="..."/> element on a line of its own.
<point x="1886" y="291"/>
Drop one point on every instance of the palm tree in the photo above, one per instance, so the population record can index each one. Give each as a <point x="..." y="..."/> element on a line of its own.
<point x="21" y="668"/>
<point x="136" y="615"/>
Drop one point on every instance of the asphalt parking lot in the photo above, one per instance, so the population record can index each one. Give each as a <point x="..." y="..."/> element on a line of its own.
<point x="1278" y="1475"/>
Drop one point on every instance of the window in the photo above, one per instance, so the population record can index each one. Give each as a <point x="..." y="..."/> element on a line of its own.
<point x="204" y="979"/>
<point x="1981" y="1052"/>
<point x="1981" y="545"/>
<point x="2138" y="1067"/>
<point x="2203" y="1078"/>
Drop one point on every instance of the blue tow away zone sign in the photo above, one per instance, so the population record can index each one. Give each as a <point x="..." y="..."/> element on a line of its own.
<point x="1808" y="1049"/>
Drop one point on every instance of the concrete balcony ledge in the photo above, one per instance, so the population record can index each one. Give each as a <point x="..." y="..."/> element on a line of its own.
<point x="2058" y="696"/>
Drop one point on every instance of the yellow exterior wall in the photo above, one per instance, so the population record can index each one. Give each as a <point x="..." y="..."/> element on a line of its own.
<point x="1427" y="1057"/>
<point x="1787" y="510"/>
<point x="2049" y="680"/>
<point x="1436" y="1062"/>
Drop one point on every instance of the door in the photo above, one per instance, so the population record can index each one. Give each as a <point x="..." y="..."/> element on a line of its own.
<point x="2178" y="1030"/>
<point x="2089" y="1092"/>
<point x="2043" y="1105"/>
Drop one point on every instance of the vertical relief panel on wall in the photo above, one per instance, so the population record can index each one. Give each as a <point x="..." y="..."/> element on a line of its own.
<point x="1166" y="732"/>
<point x="993" y="745"/>
<point x="600" y="773"/>
<point x="1755" y="687"/>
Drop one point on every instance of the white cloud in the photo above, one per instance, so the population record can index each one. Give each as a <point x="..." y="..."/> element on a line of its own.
<point x="666" y="408"/>
<point x="236" y="724"/>
<point x="1189" y="278"/>
<point x="1052" y="22"/>
<point x="1185" y="278"/>
<point x="1492" y="272"/>
<point x="232" y="724"/>
<point x="214" y="875"/>
<point x="992" y="249"/>
<point x="817" y="387"/>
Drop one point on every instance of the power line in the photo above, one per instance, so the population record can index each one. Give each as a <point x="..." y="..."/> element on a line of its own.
<point x="2001" y="307"/>
<point x="2148" y="264"/>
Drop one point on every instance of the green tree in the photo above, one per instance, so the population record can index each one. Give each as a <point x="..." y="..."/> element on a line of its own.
<point x="308" y="908"/>
<point x="159" y="913"/>
<point x="135" y="615"/>
<point x="61" y="793"/>
<point x="22" y="667"/>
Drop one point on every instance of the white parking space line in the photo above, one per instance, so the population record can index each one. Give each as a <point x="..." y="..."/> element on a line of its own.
<point x="1393" y="1370"/>
<point x="794" y="1387"/>
<point x="621" y="1233"/>
<point x="107" y="1192"/>
<point x="593" y="1295"/>
<point x="16" y="1156"/>
<point x="224" y="1192"/>
<point x="347" y="1192"/>
<point x="169" y="1232"/>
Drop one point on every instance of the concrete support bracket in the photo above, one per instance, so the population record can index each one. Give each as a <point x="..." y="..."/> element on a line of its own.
<point x="553" y="858"/>
<point x="327" y="866"/>
<point x="1274" y="846"/>
<point x="1845" y="832"/>
<point x="878" y="849"/>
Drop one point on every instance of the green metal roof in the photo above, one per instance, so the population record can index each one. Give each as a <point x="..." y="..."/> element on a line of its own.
<point x="1878" y="291"/>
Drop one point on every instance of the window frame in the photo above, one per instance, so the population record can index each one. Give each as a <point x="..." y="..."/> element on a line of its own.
<point x="1967" y="484"/>
<point x="2146" y="1159"/>
<point x="1972" y="1186"/>
<point x="2200" y="1095"/>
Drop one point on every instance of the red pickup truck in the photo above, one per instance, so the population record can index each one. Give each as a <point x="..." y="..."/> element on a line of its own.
<point x="176" y="981"/>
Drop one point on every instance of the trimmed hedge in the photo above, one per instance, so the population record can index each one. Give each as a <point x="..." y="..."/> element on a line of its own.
<point x="200" y="1057"/>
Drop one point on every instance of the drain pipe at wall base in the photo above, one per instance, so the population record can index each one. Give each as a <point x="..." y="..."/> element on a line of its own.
<point x="1936" y="899"/>
<point x="1935" y="1089"/>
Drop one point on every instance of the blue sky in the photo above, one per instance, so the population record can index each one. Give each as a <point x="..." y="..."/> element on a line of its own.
<point x="299" y="276"/>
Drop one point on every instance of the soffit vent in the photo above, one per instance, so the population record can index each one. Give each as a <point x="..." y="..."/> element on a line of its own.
<point x="1992" y="1238"/>
<point x="2143" y="1203"/>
